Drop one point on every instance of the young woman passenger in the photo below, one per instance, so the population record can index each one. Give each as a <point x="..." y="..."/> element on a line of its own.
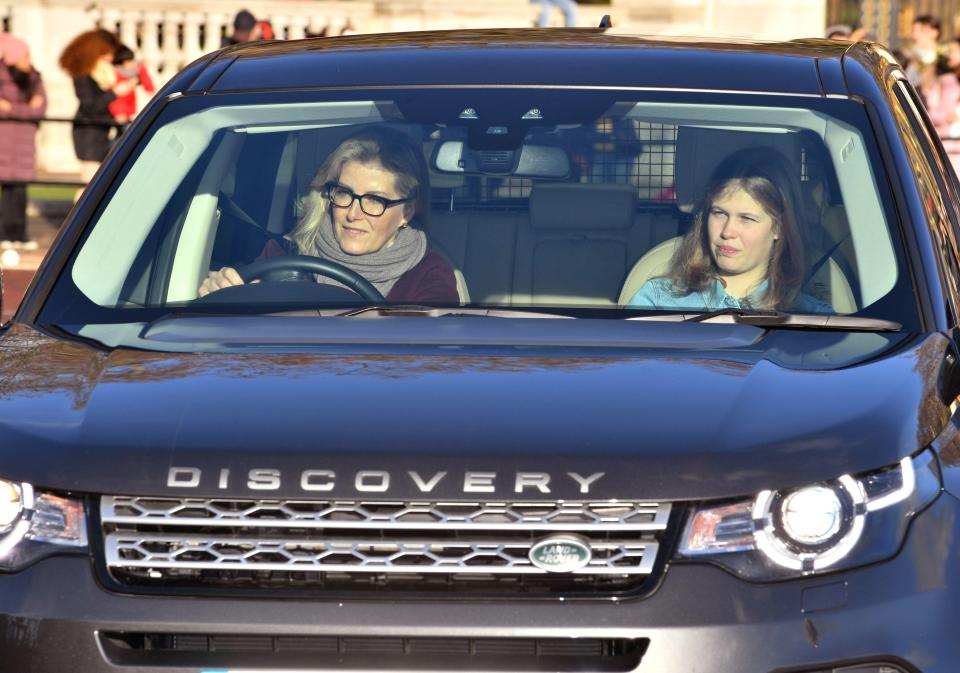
<point x="744" y="249"/>
<point x="367" y="209"/>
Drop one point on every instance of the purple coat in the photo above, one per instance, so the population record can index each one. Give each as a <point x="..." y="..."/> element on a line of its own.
<point x="18" y="138"/>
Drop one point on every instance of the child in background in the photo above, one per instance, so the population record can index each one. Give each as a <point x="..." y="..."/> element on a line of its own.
<point x="266" y="30"/>
<point x="124" y="108"/>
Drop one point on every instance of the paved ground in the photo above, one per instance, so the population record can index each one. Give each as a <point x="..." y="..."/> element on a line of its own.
<point x="42" y="226"/>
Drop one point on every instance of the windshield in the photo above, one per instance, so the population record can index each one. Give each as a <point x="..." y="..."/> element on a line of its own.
<point x="584" y="203"/>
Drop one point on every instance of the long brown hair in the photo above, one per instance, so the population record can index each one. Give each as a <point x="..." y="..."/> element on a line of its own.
<point x="394" y="150"/>
<point x="80" y="56"/>
<point x="763" y="174"/>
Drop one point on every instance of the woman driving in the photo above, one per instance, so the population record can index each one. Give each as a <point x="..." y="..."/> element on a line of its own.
<point x="366" y="210"/>
<point x="744" y="249"/>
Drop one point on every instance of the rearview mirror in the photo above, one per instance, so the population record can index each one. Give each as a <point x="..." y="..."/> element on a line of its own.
<point x="529" y="161"/>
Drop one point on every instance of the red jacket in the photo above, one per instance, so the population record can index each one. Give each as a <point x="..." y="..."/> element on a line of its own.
<point x="126" y="106"/>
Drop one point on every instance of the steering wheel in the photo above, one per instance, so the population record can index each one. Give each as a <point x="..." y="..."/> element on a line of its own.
<point x="309" y="264"/>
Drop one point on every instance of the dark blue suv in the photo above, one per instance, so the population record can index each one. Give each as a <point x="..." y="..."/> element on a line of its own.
<point x="495" y="351"/>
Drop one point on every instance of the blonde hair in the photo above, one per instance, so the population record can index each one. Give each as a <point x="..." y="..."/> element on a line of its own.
<point x="762" y="174"/>
<point x="394" y="150"/>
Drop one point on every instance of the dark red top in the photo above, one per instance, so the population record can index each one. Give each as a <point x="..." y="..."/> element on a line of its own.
<point x="431" y="281"/>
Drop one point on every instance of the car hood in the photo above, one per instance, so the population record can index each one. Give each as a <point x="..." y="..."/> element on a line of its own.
<point x="654" y="424"/>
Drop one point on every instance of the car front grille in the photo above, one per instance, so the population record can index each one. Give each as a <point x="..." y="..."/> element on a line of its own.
<point x="361" y="653"/>
<point x="419" y="546"/>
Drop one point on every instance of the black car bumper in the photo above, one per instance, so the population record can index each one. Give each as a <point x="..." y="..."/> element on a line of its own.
<point x="56" y="617"/>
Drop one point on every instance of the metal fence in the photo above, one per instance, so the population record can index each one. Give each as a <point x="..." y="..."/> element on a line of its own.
<point x="625" y="152"/>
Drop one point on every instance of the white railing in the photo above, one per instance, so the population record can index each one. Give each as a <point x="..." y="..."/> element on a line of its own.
<point x="170" y="37"/>
<point x="167" y="35"/>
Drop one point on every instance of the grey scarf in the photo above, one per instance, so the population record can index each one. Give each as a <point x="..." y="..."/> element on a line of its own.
<point x="382" y="268"/>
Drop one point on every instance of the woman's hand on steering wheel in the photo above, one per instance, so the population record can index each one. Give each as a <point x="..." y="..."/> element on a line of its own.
<point x="229" y="277"/>
<point x="217" y="280"/>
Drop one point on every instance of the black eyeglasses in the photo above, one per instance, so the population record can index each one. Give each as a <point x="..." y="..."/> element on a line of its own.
<point x="371" y="204"/>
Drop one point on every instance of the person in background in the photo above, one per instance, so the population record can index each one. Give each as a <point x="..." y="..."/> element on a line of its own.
<point x="839" y="31"/>
<point x="264" y="30"/>
<point x="845" y="33"/>
<point x="940" y="89"/>
<point x="952" y="55"/>
<point x="245" y="29"/>
<point x="88" y="59"/>
<point x="22" y="102"/>
<point x="124" y="108"/>
<point x="923" y="52"/>
<point x="568" y="7"/>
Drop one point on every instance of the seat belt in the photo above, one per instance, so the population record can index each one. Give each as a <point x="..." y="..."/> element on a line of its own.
<point x="231" y="207"/>
<point x="823" y="260"/>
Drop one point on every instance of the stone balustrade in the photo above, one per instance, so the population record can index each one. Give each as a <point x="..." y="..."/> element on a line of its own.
<point x="168" y="34"/>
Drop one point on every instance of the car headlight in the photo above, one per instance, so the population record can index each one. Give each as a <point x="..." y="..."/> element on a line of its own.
<point x="34" y="525"/>
<point x="831" y="525"/>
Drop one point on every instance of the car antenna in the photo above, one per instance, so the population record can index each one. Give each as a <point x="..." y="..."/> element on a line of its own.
<point x="606" y="22"/>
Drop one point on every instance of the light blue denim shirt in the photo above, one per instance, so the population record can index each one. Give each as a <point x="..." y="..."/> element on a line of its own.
<point x="658" y="293"/>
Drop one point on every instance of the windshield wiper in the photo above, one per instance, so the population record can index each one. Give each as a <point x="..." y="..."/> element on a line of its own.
<point x="395" y="310"/>
<point x="753" y="317"/>
<point x="780" y="320"/>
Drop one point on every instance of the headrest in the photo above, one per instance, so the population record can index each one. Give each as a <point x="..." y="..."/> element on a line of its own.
<point x="579" y="206"/>
<point x="700" y="151"/>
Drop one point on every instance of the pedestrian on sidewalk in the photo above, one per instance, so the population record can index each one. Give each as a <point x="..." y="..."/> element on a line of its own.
<point x="22" y="102"/>
<point x="568" y="7"/>
<point x="924" y="49"/>
<point x="88" y="59"/>
<point x="940" y="88"/>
